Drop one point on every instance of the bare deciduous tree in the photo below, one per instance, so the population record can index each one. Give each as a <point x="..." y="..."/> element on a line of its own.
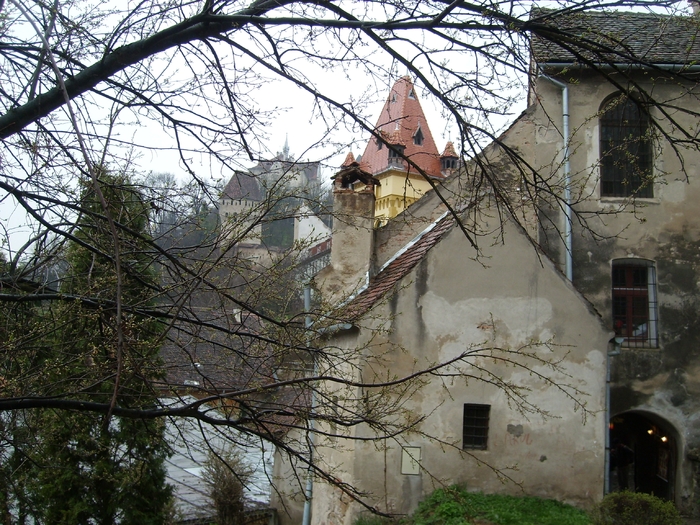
<point x="86" y="85"/>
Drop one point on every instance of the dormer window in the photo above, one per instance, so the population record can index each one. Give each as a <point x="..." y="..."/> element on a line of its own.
<point x="380" y="144"/>
<point x="393" y="97"/>
<point x="411" y="94"/>
<point x="395" y="153"/>
<point x="418" y="137"/>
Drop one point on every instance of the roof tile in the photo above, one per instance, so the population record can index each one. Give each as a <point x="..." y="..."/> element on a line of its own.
<point x="398" y="122"/>
<point x="449" y="151"/>
<point x="397" y="269"/>
<point x="618" y="37"/>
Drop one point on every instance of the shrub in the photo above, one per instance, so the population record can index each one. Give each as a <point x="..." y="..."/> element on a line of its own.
<point x="444" y="507"/>
<point x="635" y="508"/>
<point x="457" y="506"/>
<point x="226" y="475"/>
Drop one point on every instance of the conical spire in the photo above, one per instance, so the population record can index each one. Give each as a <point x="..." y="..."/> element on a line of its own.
<point x="349" y="160"/>
<point x="285" y="149"/>
<point x="402" y="123"/>
<point x="449" y="151"/>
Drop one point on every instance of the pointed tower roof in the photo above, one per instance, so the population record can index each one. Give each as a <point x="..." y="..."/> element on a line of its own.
<point x="285" y="149"/>
<point x="402" y="122"/>
<point x="349" y="160"/>
<point x="449" y="151"/>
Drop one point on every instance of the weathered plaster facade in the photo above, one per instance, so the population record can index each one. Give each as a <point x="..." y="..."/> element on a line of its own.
<point x="660" y="382"/>
<point x="450" y="303"/>
<point x="515" y="312"/>
<point x="513" y="296"/>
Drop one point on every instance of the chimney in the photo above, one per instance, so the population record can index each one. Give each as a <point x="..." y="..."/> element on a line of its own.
<point x="353" y="230"/>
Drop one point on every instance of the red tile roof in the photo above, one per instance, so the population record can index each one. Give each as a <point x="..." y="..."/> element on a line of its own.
<point x="398" y="122"/>
<point x="349" y="160"/>
<point x="449" y="151"/>
<point x="385" y="280"/>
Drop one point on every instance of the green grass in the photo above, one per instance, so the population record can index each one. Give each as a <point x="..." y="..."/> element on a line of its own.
<point x="456" y="506"/>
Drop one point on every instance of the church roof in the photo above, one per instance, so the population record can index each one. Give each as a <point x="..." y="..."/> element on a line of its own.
<point x="399" y="123"/>
<point x="242" y="186"/>
<point x="614" y="37"/>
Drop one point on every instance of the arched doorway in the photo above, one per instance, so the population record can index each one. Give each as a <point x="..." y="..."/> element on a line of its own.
<point x="643" y="454"/>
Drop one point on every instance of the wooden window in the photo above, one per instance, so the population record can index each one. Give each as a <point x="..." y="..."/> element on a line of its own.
<point x="634" y="306"/>
<point x="475" y="429"/>
<point x="626" y="150"/>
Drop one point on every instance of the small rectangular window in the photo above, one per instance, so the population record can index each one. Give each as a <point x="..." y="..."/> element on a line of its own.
<point x="475" y="429"/>
<point x="634" y="305"/>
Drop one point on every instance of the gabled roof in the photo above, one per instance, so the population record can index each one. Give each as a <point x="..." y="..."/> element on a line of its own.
<point x="400" y="119"/>
<point x="398" y="268"/>
<point x="618" y="38"/>
<point x="242" y="186"/>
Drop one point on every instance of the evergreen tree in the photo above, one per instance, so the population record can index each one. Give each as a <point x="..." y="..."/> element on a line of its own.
<point x="88" y="467"/>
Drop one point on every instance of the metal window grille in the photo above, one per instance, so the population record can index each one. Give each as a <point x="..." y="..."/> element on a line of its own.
<point x="475" y="430"/>
<point x="635" y="308"/>
<point x="626" y="150"/>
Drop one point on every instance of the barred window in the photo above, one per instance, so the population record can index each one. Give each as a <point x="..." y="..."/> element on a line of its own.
<point x="626" y="150"/>
<point x="634" y="305"/>
<point x="475" y="429"/>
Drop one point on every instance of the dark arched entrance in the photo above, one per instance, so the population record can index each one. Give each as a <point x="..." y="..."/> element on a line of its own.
<point x="643" y="452"/>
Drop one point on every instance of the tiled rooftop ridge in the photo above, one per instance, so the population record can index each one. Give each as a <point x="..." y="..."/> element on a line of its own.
<point x="398" y="268"/>
<point x="619" y="38"/>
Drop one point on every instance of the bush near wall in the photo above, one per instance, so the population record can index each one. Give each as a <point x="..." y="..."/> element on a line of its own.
<point x="635" y="508"/>
<point x="457" y="506"/>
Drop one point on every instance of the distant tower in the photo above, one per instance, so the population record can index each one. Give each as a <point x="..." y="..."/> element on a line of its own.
<point x="238" y="208"/>
<point x="285" y="150"/>
<point x="403" y="129"/>
<point x="449" y="160"/>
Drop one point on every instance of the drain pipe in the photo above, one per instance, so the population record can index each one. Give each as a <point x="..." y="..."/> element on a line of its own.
<point x="567" y="174"/>
<point x="617" y="343"/>
<point x="306" y="518"/>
